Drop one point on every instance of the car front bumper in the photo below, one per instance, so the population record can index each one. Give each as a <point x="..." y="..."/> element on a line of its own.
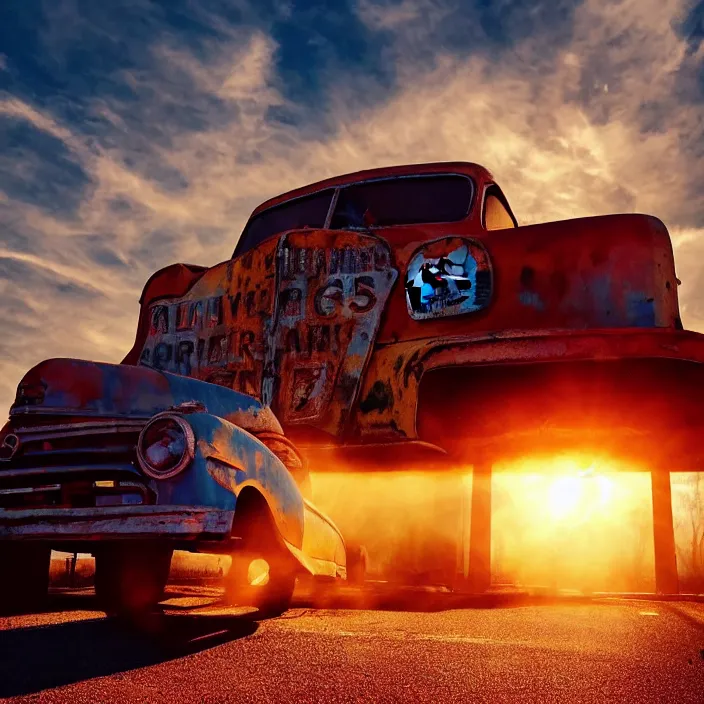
<point x="119" y="522"/>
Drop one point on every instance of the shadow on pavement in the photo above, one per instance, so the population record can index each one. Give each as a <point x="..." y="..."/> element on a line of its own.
<point x="680" y="612"/>
<point x="83" y="599"/>
<point x="37" y="658"/>
<point x="56" y="600"/>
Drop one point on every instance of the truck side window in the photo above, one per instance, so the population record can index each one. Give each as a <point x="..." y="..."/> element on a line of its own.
<point x="496" y="216"/>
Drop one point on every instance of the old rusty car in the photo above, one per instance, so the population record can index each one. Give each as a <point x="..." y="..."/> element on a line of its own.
<point x="129" y="463"/>
<point x="397" y="318"/>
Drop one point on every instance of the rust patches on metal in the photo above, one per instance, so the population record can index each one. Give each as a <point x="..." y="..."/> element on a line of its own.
<point x="187" y="407"/>
<point x="91" y="524"/>
<point x="380" y="398"/>
<point x="217" y="331"/>
<point x="224" y="474"/>
<point x="291" y="322"/>
<point x="256" y="421"/>
<point x="332" y="290"/>
<point x="575" y="274"/>
<point x="509" y="349"/>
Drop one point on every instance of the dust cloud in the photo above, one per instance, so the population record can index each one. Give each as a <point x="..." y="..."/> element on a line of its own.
<point x="407" y="521"/>
<point x="555" y="525"/>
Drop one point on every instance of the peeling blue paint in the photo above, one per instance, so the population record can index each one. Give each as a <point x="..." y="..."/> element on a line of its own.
<point x="532" y="300"/>
<point x="641" y="310"/>
<point x="227" y="457"/>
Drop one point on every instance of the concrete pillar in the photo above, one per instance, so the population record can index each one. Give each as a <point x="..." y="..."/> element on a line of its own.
<point x="480" y="529"/>
<point x="462" y="552"/>
<point x="666" y="578"/>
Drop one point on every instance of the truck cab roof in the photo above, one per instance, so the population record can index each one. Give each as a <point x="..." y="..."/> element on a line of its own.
<point x="388" y="199"/>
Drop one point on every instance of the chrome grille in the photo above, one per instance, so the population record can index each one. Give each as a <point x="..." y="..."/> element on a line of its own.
<point x="73" y="443"/>
<point x="70" y="464"/>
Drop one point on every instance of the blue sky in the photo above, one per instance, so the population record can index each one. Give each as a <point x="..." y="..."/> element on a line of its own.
<point x="136" y="133"/>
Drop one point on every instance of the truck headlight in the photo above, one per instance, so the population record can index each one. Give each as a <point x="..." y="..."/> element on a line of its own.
<point x="166" y="446"/>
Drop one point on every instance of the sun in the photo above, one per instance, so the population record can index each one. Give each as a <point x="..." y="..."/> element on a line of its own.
<point x="578" y="495"/>
<point x="564" y="495"/>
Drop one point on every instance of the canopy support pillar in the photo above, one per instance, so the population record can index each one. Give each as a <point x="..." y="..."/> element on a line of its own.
<point x="666" y="578"/>
<point x="479" y="579"/>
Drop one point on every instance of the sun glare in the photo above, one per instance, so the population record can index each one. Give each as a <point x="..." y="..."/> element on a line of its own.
<point x="563" y="496"/>
<point x="578" y="496"/>
<point x="573" y="523"/>
<point x="580" y="523"/>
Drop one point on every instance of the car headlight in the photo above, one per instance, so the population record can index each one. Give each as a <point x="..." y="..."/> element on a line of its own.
<point x="166" y="446"/>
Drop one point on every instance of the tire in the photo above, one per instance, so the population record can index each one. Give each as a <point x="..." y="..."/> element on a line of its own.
<point x="245" y="585"/>
<point x="130" y="579"/>
<point x="258" y="539"/>
<point x="357" y="559"/>
<point x="24" y="584"/>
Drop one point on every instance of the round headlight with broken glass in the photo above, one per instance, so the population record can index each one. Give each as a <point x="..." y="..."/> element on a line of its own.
<point x="166" y="446"/>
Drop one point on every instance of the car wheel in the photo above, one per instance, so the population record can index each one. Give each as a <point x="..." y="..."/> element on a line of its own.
<point x="130" y="579"/>
<point x="264" y="581"/>
<point x="24" y="584"/>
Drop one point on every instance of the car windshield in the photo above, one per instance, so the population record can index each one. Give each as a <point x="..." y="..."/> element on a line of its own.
<point x="403" y="201"/>
<point x="309" y="211"/>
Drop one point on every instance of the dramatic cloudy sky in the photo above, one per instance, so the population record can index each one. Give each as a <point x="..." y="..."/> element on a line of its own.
<point x="136" y="133"/>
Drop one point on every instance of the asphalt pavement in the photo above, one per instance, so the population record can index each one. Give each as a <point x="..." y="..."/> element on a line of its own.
<point x="416" y="650"/>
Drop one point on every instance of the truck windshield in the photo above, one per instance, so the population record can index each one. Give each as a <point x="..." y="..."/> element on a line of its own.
<point x="407" y="200"/>
<point x="308" y="211"/>
<point x="403" y="201"/>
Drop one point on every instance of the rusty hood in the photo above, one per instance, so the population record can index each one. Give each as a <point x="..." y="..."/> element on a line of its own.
<point x="76" y="387"/>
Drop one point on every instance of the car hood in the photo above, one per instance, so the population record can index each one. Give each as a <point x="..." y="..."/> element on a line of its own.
<point x="81" y="388"/>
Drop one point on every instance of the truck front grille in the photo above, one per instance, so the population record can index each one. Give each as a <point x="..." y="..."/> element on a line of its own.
<point x="73" y="465"/>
